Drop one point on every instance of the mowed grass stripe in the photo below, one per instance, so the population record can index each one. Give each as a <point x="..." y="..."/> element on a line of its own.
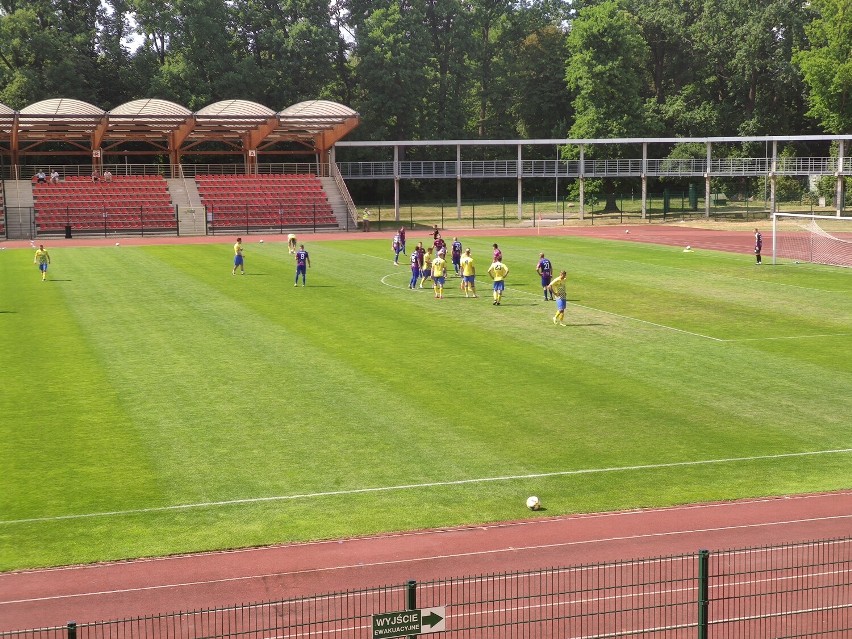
<point x="245" y="387"/>
<point x="257" y="395"/>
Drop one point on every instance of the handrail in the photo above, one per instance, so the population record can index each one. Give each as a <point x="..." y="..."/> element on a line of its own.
<point x="344" y="191"/>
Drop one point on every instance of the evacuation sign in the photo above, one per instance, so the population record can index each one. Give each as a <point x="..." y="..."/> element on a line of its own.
<point x="409" y="622"/>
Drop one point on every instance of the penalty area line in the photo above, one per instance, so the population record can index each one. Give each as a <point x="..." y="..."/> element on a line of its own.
<point x="763" y="339"/>
<point x="436" y="484"/>
<point x="636" y="319"/>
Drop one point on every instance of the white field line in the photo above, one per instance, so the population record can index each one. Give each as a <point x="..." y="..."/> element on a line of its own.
<point x="401" y="487"/>
<point x="654" y="324"/>
<point x="505" y="524"/>
<point x="764" y="339"/>
<point x="514" y="549"/>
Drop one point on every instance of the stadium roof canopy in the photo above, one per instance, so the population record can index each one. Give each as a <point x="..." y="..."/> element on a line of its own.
<point x="65" y="127"/>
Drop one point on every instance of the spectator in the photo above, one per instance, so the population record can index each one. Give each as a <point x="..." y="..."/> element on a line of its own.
<point x="54" y="177"/>
<point x="41" y="178"/>
<point x="107" y="176"/>
<point x="95" y="176"/>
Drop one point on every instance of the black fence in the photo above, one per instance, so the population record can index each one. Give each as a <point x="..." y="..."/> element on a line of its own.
<point x="775" y="592"/>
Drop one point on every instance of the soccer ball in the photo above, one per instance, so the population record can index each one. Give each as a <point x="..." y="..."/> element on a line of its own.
<point x="688" y="247"/>
<point x="117" y="244"/>
<point x="533" y="503"/>
<point x="261" y="241"/>
<point x="627" y="230"/>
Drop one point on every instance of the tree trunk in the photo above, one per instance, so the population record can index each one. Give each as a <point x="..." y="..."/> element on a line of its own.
<point x="611" y="205"/>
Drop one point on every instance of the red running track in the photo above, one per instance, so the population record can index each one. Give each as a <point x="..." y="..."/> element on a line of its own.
<point x="719" y="240"/>
<point x="41" y="598"/>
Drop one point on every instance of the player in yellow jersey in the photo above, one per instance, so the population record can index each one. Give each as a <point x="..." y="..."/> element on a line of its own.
<point x="426" y="271"/>
<point x="557" y="289"/>
<point x="468" y="271"/>
<point x="291" y="243"/>
<point x="238" y="257"/>
<point x="42" y="258"/>
<point x="439" y="273"/>
<point x="498" y="272"/>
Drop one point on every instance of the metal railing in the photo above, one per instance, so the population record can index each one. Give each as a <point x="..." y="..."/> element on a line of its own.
<point x="351" y="210"/>
<point x="450" y="169"/>
<point x="611" y="168"/>
<point x="791" y="590"/>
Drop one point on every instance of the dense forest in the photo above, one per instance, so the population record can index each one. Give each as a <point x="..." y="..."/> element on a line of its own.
<point x="423" y="69"/>
<point x="454" y="69"/>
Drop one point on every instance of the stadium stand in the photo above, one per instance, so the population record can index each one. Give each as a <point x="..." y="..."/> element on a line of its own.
<point x="124" y="204"/>
<point x="264" y="201"/>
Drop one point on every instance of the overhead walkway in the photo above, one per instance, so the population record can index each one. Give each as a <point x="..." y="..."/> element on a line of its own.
<point x="616" y="168"/>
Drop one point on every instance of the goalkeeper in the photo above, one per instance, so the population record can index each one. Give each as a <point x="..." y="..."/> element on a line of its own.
<point x="758" y="245"/>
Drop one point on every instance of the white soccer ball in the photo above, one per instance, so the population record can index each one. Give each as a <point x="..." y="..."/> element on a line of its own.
<point x="117" y="244"/>
<point x="261" y="241"/>
<point x="627" y="230"/>
<point x="533" y="503"/>
<point x="688" y="247"/>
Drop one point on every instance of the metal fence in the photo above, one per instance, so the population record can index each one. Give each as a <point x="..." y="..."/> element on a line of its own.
<point x="775" y="592"/>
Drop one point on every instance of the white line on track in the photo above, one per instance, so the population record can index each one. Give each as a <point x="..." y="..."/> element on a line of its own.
<point x="411" y="560"/>
<point x="400" y="487"/>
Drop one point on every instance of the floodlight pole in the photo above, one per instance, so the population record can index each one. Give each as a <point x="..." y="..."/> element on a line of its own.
<point x="838" y="197"/>
<point x="582" y="180"/>
<point x="519" y="174"/>
<point x="396" y="182"/>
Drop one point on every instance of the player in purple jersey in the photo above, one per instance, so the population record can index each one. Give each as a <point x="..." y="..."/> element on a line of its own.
<point x="415" y="269"/>
<point x="402" y="238"/>
<point x="498" y="254"/>
<point x="303" y="262"/>
<point x="457" y="253"/>
<point x="396" y="245"/>
<point x="439" y="245"/>
<point x="545" y="269"/>
<point x="758" y="245"/>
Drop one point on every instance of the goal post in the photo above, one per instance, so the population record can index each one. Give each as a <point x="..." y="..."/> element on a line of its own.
<point x="820" y="239"/>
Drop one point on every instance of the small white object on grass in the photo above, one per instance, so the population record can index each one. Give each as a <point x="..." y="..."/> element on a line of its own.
<point x="533" y="503"/>
<point x="117" y="244"/>
<point x="261" y="241"/>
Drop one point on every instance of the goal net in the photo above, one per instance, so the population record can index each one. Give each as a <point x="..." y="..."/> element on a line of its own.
<point x="821" y="239"/>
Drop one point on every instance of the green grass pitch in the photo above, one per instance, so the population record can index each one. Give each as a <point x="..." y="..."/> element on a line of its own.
<point x="152" y="403"/>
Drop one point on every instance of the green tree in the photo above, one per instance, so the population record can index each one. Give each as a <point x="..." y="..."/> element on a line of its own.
<point x="393" y="70"/>
<point x="292" y="46"/>
<point x="49" y="49"/>
<point x="607" y="69"/>
<point x="542" y="100"/>
<point x="487" y="19"/>
<point x="449" y="29"/>
<point x="827" y="64"/>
